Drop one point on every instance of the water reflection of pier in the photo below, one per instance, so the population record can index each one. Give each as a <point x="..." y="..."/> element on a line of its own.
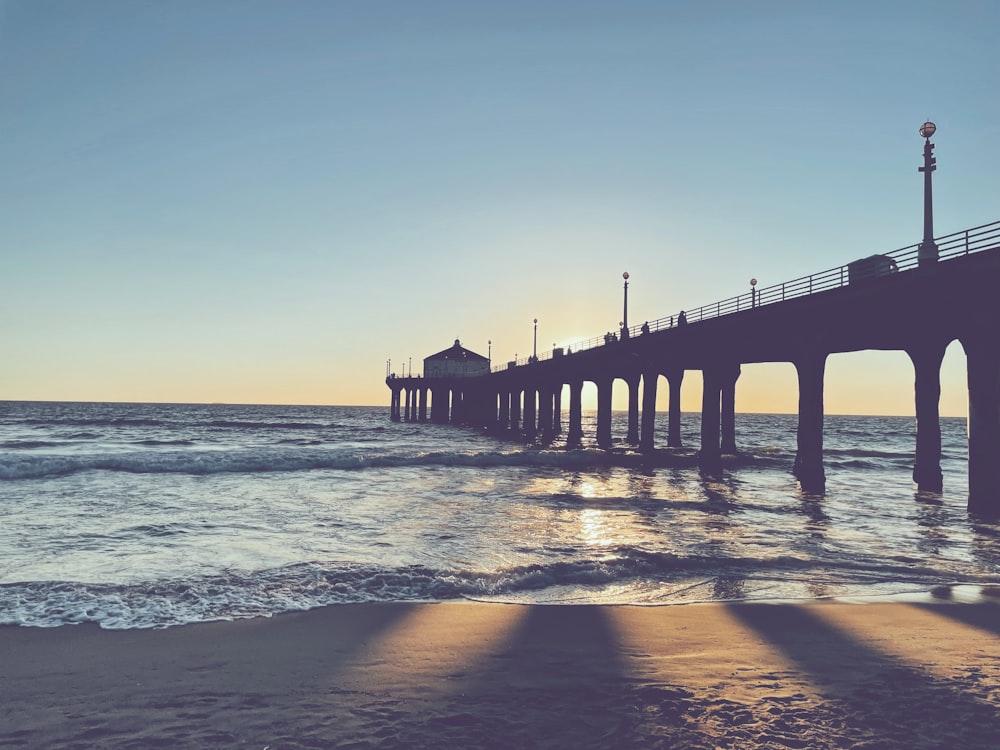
<point x="919" y="306"/>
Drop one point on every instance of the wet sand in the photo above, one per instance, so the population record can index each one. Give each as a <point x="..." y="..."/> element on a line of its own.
<point x="465" y="675"/>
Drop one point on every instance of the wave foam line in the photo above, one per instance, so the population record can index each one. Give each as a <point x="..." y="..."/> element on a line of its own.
<point x="236" y="595"/>
<point x="276" y="459"/>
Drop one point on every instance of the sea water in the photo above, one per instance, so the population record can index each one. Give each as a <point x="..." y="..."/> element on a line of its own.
<point x="150" y="515"/>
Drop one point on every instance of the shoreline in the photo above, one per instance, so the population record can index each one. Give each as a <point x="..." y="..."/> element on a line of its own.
<point x="816" y="674"/>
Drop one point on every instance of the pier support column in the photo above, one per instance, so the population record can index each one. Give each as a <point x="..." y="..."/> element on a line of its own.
<point x="575" y="433"/>
<point x="394" y="405"/>
<point x="808" y="466"/>
<point x="422" y="404"/>
<point x="545" y="411"/>
<point x="439" y="405"/>
<point x="557" y="409"/>
<point x="729" y="376"/>
<point x="710" y="454"/>
<point x="457" y="406"/>
<point x="530" y="413"/>
<point x="604" y="412"/>
<point x="503" y="421"/>
<point x="483" y="407"/>
<point x="927" y="396"/>
<point x="983" y="355"/>
<point x="488" y="410"/>
<point x="674" y="379"/>
<point x="409" y="403"/>
<point x="515" y="411"/>
<point x="646" y="442"/>
<point x="632" y="436"/>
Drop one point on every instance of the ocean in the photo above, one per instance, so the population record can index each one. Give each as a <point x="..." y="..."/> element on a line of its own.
<point x="152" y="515"/>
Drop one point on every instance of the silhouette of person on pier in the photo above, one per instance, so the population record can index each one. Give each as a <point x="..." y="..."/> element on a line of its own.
<point x="682" y="319"/>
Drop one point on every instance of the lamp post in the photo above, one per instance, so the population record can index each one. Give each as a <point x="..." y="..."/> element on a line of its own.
<point x="927" y="252"/>
<point x="753" y="292"/>
<point x="489" y="353"/>
<point x="625" y="311"/>
<point x="534" y="347"/>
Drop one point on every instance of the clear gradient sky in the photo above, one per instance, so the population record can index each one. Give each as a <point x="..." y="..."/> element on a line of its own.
<point x="265" y="201"/>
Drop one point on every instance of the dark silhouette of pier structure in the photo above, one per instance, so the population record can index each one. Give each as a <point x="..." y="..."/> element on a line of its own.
<point x="916" y="299"/>
<point x="896" y="301"/>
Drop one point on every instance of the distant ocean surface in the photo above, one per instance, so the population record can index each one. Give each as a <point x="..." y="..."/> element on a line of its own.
<point x="149" y="515"/>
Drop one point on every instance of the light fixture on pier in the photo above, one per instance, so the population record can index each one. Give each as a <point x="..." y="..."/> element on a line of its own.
<point x="489" y="352"/>
<point x="753" y="292"/>
<point x="534" y="348"/>
<point x="927" y="251"/>
<point x="625" y="312"/>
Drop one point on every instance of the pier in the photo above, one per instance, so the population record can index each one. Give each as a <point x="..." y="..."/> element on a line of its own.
<point x="911" y="299"/>
<point x="917" y="299"/>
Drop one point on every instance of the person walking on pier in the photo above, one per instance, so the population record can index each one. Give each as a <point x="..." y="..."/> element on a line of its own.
<point x="682" y="319"/>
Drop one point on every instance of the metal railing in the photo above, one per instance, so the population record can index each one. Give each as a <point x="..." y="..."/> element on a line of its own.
<point x="950" y="246"/>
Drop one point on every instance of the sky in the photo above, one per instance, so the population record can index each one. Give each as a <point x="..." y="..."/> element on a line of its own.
<point x="266" y="202"/>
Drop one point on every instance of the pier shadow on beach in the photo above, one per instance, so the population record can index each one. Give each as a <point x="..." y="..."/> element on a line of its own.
<point x="872" y="698"/>
<point x="548" y="683"/>
<point x="982" y="617"/>
<point x="202" y="685"/>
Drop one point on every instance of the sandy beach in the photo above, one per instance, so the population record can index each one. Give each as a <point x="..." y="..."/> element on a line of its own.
<point x="809" y="675"/>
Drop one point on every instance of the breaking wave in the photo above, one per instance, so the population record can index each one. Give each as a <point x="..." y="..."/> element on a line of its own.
<point x="238" y="595"/>
<point x="277" y="459"/>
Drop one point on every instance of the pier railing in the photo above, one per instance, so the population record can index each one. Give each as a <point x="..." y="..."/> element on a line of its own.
<point x="950" y="246"/>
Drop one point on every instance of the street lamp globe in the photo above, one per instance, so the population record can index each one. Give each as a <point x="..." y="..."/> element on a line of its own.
<point x="927" y="129"/>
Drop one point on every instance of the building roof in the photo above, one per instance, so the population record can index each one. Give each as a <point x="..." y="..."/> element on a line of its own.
<point x="457" y="351"/>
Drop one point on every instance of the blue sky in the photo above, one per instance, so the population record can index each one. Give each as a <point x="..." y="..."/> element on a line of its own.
<point x="264" y="201"/>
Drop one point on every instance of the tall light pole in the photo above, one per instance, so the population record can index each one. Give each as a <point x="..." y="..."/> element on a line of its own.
<point x="489" y="352"/>
<point x="927" y="252"/>
<point x="625" y="313"/>
<point x="753" y="292"/>
<point x="534" y="347"/>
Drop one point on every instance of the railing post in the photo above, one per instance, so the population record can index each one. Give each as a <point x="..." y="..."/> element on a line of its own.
<point x="966" y="241"/>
